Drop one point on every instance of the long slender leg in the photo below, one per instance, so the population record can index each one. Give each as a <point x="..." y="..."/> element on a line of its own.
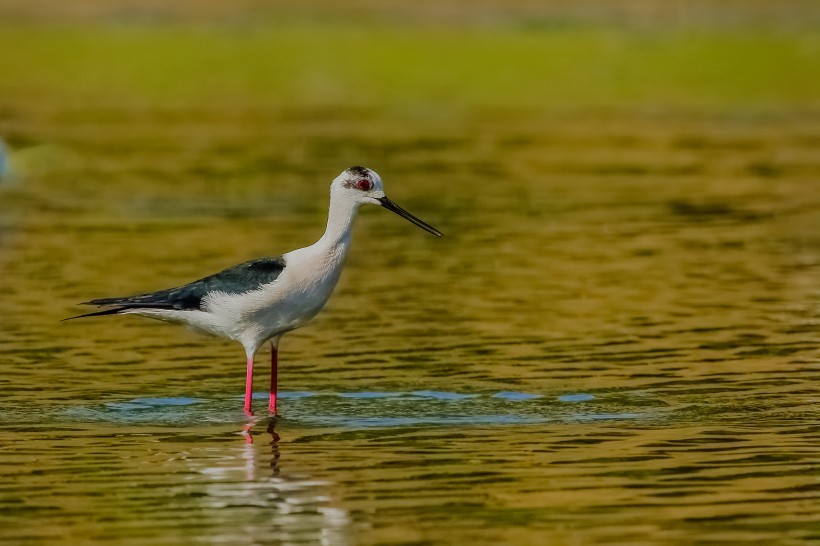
<point x="274" y="372"/>
<point x="249" y="387"/>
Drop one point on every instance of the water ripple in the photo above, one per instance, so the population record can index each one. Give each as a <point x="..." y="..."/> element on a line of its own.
<point x="363" y="409"/>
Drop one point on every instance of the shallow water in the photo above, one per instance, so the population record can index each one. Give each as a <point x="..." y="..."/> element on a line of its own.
<point x="615" y="342"/>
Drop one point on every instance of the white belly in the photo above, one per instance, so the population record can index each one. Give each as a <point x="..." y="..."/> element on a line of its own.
<point x="287" y="303"/>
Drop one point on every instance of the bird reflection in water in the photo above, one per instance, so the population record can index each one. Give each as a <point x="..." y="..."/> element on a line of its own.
<point x="272" y="505"/>
<point x="274" y="441"/>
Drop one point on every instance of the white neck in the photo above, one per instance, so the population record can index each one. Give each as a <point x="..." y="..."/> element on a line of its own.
<point x="339" y="221"/>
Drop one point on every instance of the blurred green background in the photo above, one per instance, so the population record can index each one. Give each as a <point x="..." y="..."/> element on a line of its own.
<point x="409" y="56"/>
<point x="396" y="67"/>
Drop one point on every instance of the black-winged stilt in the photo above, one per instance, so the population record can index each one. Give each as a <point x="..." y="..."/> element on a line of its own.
<point x="260" y="300"/>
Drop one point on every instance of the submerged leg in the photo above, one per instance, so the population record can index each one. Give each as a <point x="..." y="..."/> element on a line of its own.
<point x="249" y="387"/>
<point x="274" y="371"/>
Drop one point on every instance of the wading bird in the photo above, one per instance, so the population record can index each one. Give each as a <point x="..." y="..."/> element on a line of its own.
<point x="260" y="300"/>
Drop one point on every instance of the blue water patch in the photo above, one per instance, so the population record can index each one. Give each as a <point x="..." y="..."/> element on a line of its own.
<point x="170" y="410"/>
<point x="516" y="396"/>
<point x="151" y="403"/>
<point x="582" y="397"/>
<point x="5" y="169"/>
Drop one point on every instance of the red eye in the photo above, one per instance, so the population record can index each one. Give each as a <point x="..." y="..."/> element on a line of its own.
<point x="364" y="185"/>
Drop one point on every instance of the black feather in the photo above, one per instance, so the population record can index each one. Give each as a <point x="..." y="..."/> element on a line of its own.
<point x="359" y="171"/>
<point x="238" y="279"/>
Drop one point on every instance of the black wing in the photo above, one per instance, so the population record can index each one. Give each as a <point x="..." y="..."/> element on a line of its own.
<point x="238" y="279"/>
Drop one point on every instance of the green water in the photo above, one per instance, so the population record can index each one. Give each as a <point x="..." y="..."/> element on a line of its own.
<point x="616" y="341"/>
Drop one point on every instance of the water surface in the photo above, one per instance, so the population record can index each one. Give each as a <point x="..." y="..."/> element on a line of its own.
<point x="615" y="342"/>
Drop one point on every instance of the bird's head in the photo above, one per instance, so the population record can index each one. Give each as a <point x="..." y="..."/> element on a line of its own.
<point x="363" y="186"/>
<point x="360" y="184"/>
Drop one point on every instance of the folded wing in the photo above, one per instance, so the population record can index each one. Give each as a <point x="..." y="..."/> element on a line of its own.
<point x="238" y="279"/>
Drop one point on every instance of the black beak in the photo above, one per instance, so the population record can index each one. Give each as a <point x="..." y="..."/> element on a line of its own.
<point x="390" y="205"/>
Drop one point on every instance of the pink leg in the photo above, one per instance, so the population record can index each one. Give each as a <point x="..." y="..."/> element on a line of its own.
<point x="249" y="387"/>
<point x="274" y="371"/>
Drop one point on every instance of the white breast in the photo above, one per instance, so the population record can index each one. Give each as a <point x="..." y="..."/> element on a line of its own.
<point x="295" y="297"/>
